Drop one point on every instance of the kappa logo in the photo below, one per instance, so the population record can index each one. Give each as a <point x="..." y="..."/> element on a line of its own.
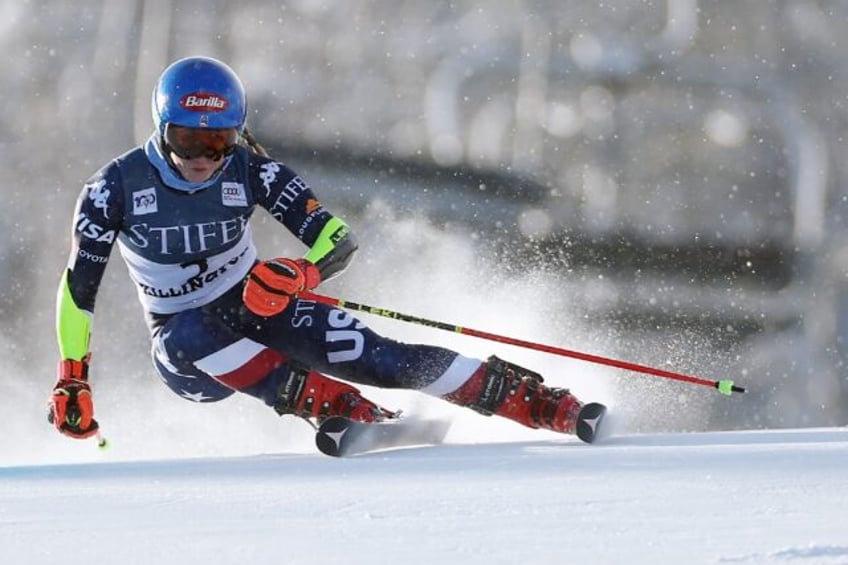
<point x="145" y="202"/>
<point x="269" y="175"/>
<point x="233" y="194"/>
<point x="99" y="195"/>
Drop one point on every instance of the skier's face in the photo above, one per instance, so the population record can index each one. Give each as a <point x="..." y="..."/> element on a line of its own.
<point x="196" y="170"/>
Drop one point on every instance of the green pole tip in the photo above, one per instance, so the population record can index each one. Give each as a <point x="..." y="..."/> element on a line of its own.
<point x="725" y="387"/>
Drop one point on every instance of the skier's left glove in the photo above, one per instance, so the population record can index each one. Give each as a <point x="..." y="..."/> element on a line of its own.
<point x="271" y="284"/>
<point x="71" y="409"/>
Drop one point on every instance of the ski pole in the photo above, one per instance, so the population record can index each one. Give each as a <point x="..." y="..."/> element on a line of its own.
<point x="723" y="386"/>
<point x="102" y="442"/>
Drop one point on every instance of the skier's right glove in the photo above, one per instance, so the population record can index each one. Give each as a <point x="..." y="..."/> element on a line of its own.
<point x="70" y="408"/>
<point x="271" y="284"/>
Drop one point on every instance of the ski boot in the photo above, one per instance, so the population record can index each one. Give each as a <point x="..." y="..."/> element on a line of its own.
<point x="510" y="391"/>
<point x="309" y="394"/>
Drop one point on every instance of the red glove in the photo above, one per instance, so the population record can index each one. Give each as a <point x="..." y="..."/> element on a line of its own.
<point x="71" y="409"/>
<point x="271" y="284"/>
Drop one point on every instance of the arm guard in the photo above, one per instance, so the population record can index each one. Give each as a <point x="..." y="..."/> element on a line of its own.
<point x="73" y="324"/>
<point x="333" y="250"/>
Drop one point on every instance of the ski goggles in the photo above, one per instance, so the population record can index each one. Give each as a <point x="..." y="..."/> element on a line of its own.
<point x="191" y="143"/>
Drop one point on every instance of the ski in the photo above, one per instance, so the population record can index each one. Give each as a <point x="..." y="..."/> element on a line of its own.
<point x="342" y="437"/>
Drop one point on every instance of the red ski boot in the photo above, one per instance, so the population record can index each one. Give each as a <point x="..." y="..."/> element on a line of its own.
<point x="501" y="388"/>
<point x="309" y="394"/>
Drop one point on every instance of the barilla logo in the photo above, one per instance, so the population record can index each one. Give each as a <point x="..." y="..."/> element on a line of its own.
<point x="204" y="102"/>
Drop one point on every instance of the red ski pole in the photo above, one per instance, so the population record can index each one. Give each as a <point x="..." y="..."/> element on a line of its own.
<point x="723" y="386"/>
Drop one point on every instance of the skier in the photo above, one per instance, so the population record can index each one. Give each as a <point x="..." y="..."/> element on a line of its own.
<point x="223" y="321"/>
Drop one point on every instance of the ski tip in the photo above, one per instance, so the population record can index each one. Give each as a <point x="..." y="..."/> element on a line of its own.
<point x="589" y="421"/>
<point x="329" y="437"/>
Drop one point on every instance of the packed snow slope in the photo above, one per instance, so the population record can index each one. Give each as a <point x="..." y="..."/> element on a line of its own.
<point x="776" y="496"/>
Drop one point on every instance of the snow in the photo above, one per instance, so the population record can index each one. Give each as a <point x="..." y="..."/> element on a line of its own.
<point x="770" y="496"/>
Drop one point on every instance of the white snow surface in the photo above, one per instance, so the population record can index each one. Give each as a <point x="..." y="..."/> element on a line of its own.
<point x="771" y="496"/>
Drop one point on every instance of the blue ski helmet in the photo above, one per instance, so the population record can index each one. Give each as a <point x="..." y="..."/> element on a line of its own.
<point x="199" y="92"/>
